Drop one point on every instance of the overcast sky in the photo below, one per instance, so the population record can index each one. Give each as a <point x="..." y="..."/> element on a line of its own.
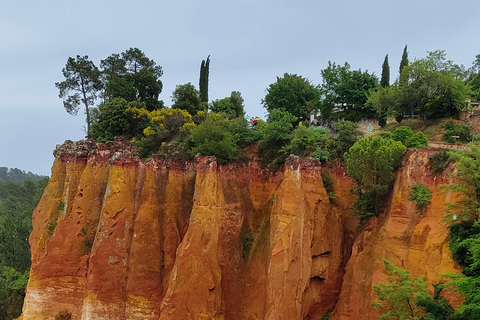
<point x="250" y="43"/>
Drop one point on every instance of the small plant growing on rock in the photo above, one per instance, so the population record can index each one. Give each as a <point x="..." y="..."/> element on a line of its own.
<point x="63" y="315"/>
<point x="61" y="205"/>
<point x="51" y="226"/>
<point x="87" y="241"/>
<point x="246" y="238"/>
<point x="422" y="195"/>
<point x="439" y="161"/>
<point x="328" y="185"/>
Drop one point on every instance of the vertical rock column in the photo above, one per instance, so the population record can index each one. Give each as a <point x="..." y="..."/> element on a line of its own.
<point x="292" y="229"/>
<point x="194" y="290"/>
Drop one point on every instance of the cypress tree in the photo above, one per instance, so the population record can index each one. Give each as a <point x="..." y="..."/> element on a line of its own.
<point x="385" y="81"/>
<point x="403" y="62"/>
<point x="203" y="83"/>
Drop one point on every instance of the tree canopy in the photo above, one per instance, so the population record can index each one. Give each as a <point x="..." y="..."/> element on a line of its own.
<point x="346" y="90"/>
<point x="80" y="87"/>
<point x="292" y="93"/>
<point x="187" y="98"/>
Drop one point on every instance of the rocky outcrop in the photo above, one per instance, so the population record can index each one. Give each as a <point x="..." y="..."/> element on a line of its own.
<point x="413" y="241"/>
<point x="118" y="238"/>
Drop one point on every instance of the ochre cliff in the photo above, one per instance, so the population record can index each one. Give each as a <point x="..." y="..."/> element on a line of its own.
<point x="118" y="238"/>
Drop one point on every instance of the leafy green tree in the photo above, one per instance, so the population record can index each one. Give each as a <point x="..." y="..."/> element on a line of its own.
<point x="132" y="76"/>
<point x="467" y="185"/>
<point x="385" y="80"/>
<point x="346" y="90"/>
<point x="212" y="138"/>
<point x="371" y="163"/>
<point x="402" y="134"/>
<point x="433" y="88"/>
<point x="347" y="135"/>
<point x="81" y="86"/>
<point x="398" y="298"/>
<point x="187" y="98"/>
<point x="293" y="94"/>
<point x="418" y="140"/>
<point x="232" y="106"/>
<point x="112" y="121"/>
<point x="203" y="82"/>
<point x="385" y="102"/>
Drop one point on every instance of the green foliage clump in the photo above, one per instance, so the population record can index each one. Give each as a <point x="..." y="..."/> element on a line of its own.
<point x="187" y="98"/>
<point x="275" y="135"/>
<point x="51" y="226"/>
<point x="402" y="134"/>
<point x="246" y="239"/>
<point x="232" y="107"/>
<point x="371" y="163"/>
<point x="347" y="134"/>
<point x="63" y="315"/>
<point x="328" y="185"/>
<point x="418" y="140"/>
<point x="17" y="201"/>
<point x="61" y="205"/>
<point x="213" y="138"/>
<point x="452" y="129"/>
<point x="439" y="161"/>
<point x="87" y="241"/>
<point x="422" y="195"/>
<point x="398" y="297"/>
<point x="293" y="94"/>
<point x="111" y="121"/>
<point x="304" y="142"/>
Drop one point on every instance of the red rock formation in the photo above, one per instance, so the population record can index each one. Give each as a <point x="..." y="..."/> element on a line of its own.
<point x="411" y="241"/>
<point x="118" y="238"/>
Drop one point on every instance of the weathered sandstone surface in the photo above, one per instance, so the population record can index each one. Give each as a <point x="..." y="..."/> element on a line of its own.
<point x="117" y="238"/>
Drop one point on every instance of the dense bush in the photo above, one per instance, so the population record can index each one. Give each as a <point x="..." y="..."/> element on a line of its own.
<point x="275" y="135"/>
<point x="212" y="138"/>
<point x="439" y="161"/>
<point x="422" y="195"/>
<point x="452" y="129"/>
<point x="305" y="141"/>
<point x="402" y="134"/>
<point x="418" y="140"/>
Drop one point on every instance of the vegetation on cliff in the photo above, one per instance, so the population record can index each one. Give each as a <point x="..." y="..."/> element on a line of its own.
<point x="17" y="201"/>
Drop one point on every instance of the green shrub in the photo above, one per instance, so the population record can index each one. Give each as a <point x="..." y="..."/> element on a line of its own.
<point x="111" y="121"/>
<point x="87" y="241"/>
<point x="61" y="205"/>
<point x="422" y="195"/>
<point x="402" y="134"/>
<point x="212" y="138"/>
<point x="246" y="239"/>
<point x="63" y="315"/>
<point x="418" y="140"/>
<point x="328" y="185"/>
<point x="439" y="161"/>
<point x="305" y="141"/>
<point x="51" y="226"/>
<point x="321" y="155"/>
<point x="452" y="129"/>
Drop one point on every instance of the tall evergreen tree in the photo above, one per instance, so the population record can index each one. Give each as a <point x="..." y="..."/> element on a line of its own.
<point x="203" y="83"/>
<point x="385" y="81"/>
<point x="80" y="87"/>
<point x="403" y="62"/>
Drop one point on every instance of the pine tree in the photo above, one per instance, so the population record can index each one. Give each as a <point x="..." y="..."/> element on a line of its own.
<point x="203" y="83"/>
<point x="385" y="81"/>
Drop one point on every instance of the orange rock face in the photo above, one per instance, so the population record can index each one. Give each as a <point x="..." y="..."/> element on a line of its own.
<point x="118" y="238"/>
<point x="411" y="241"/>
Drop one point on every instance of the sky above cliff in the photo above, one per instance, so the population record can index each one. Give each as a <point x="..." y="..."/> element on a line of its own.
<point x="250" y="43"/>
